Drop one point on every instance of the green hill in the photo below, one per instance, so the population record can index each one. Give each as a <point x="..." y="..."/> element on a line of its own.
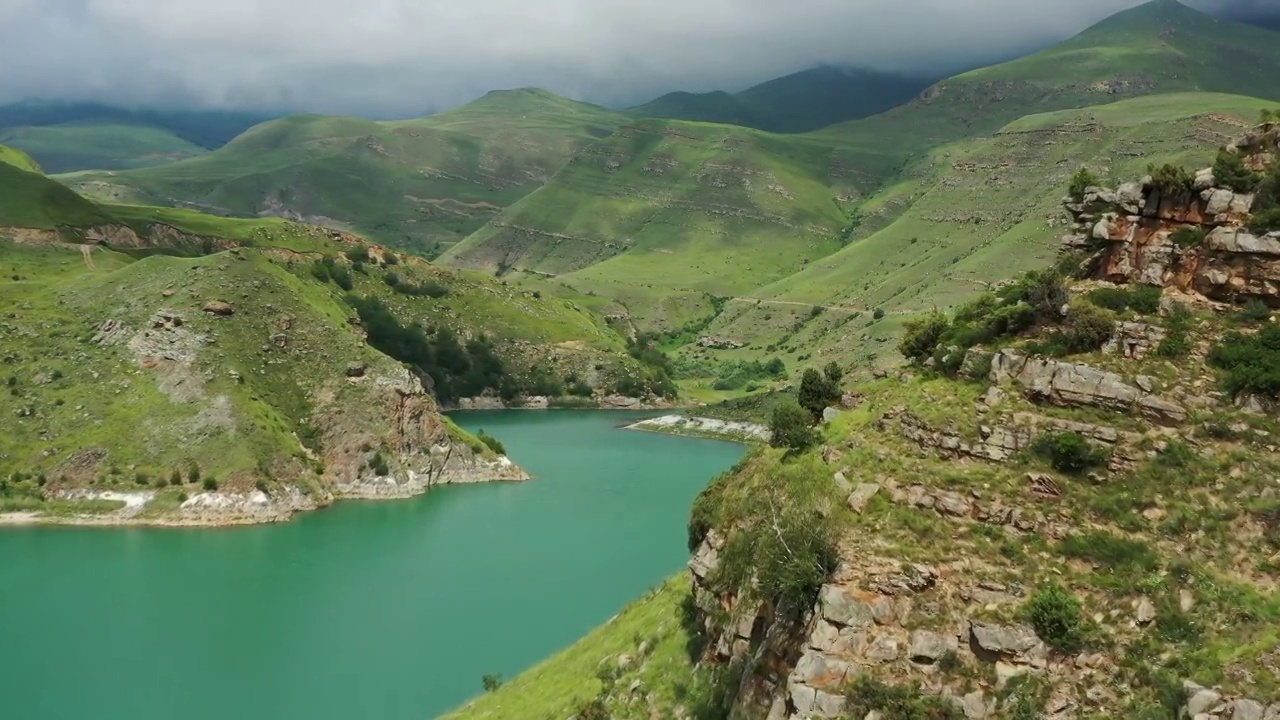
<point x="665" y="207"/>
<point x="99" y="146"/>
<point x="416" y="184"/>
<point x="800" y="102"/>
<point x="967" y="215"/>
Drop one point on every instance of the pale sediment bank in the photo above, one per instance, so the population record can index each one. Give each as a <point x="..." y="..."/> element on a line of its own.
<point x="255" y="507"/>
<point x="704" y="427"/>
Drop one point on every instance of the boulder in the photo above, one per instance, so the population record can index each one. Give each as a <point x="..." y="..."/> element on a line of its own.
<point x="1007" y="640"/>
<point x="830" y="414"/>
<point x="356" y="369"/>
<point x="217" y="307"/>
<point x="1146" y="612"/>
<point x="1201" y="700"/>
<point x="862" y="495"/>
<point x="1246" y="710"/>
<point x="1068" y="384"/>
<point x="842" y="609"/>
<point x="1238" y="240"/>
<point x="928" y="647"/>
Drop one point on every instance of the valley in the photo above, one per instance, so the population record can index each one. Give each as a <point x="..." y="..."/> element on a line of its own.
<point x="996" y="353"/>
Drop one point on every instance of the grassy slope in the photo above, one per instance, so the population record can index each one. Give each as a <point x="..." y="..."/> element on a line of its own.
<point x="99" y="145"/>
<point x="29" y="199"/>
<point x="969" y="214"/>
<point x="668" y="207"/>
<point x="419" y="184"/>
<point x="559" y="686"/>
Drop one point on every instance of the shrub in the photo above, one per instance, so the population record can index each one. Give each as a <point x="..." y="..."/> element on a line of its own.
<point x="358" y="254"/>
<point x="868" y="696"/>
<point x="1054" y="613"/>
<point x="1265" y="221"/>
<point x="1172" y="180"/>
<point x="1087" y="328"/>
<point x="1177" y="339"/>
<point x="1069" y="452"/>
<point x="379" y="465"/>
<point x="193" y="472"/>
<point x="818" y="391"/>
<point x="878" y="314"/>
<point x="1144" y="300"/>
<point x="790" y="427"/>
<point x="1081" y="181"/>
<point x="210" y="483"/>
<point x="491" y="682"/>
<point x="1254" y="312"/>
<point x="1250" y="363"/>
<point x="491" y="442"/>
<point x="922" y="336"/>
<point x="1229" y="171"/>
<point x="1187" y="236"/>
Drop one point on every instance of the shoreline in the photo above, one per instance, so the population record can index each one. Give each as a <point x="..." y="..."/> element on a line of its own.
<point x="242" y="509"/>
<point x="703" y="428"/>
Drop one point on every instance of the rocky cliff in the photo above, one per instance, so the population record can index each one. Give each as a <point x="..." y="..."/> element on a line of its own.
<point x="1048" y="528"/>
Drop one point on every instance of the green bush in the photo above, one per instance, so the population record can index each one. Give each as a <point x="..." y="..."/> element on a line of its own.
<point x="210" y="483"/>
<point x="1055" y="614"/>
<point x="1250" y="363"/>
<point x="1087" y="328"/>
<point x="1177" y="339"/>
<point x="1254" y="312"/>
<point x="1185" y="237"/>
<point x="867" y="695"/>
<point x="1265" y="221"/>
<point x="818" y="391"/>
<point x="491" y="442"/>
<point x="1070" y="452"/>
<point x="1172" y="180"/>
<point x="1229" y="171"/>
<point x="1081" y="181"/>
<point x="922" y="335"/>
<point x="491" y="683"/>
<point x="1143" y="300"/>
<point x="791" y="427"/>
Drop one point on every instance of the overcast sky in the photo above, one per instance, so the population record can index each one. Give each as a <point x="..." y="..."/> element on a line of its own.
<point x="403" y="57"/>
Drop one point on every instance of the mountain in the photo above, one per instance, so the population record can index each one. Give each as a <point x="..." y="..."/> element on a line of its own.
<point x="799" y="102"/>
<point x="1062" y="506"/>
<point x="416" y="184"/>
<point x="64" y="137"/>
<point x="208" y="370"/>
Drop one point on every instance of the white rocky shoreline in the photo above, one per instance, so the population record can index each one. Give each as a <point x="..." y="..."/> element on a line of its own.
<point x="704" y="427"/>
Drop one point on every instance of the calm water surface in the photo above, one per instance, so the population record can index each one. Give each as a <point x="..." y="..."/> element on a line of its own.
<point x="365" y="610"/>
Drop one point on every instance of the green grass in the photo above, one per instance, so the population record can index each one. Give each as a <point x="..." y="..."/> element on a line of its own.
<point x="558" y="686"/>
<point x="31" y="200"/>
<point x="99" y="145"/>
<point x="412" y="184"/>
<point x="17" y="158"/>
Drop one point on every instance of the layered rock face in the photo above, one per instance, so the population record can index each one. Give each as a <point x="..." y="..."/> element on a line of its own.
<point x="1136" y="224"/>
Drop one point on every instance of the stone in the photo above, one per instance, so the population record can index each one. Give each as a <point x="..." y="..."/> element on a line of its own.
<point x="1146" y="612"/>
<point x="951" y="504"/>
<point x="974" y="706"/>
<point x="841" y="609"/>
<point x="219" y="308"/>
<point x="1201" y="700"/>
<point x="883" y="650"/>
<point x="1006" y="672"/>
<point x="1218" y="201"/>
<point x="1186" y="600"/>
<point x="842" y="482"/>
<point x="1145" y="383"/>
<point x="1003" y="639"/>
<point x="927" y="646"/>
<point x="1073" y="385"/>
<point x="356" y="369"/>
<point x="862" y="495"/>
<point x="1204" y="180"/>
<point x="830" y="414"/>
<point x="1246" y="710"/>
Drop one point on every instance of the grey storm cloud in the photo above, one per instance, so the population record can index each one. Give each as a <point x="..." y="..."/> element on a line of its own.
<point x="389" y="57"/>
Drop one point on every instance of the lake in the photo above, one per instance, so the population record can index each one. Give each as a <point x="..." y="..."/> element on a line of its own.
<point x="364" y="610"/>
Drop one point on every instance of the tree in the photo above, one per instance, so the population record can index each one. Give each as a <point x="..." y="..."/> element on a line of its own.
<point x="790" y="427"/>
<point x="1229" y="171"/>
<point x="1080" y="182"/>
<point x="491" y="682"/>
<point x="923" y="335"/>
<point x="819" y="391"/>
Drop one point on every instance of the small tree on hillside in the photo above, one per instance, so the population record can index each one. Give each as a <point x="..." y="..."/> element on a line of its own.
<point x="1080" y="182"/>
<point x="791" y="427"/>
<point x="818" y="391"/>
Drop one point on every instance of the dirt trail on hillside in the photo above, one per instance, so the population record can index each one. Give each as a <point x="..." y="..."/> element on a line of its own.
<point x="836" y="308"/>
<point x="86" y="252"/>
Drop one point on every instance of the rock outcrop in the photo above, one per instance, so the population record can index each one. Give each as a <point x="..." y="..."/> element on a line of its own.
<point x="1067" y="384"/>
<point x="1134" y="231"/>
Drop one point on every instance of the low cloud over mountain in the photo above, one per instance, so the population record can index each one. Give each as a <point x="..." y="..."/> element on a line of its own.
<point x="399" y="57"/>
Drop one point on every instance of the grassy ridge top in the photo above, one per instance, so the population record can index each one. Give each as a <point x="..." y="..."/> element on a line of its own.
<point x="419" y="184"/>
<point x="104" y="146"/>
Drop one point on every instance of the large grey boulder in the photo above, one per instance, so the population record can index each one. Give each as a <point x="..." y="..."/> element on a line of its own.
<point x="928" y="646"/>
<point x="1238" y="240"/>
<point x="1069" y="384"/>
<point x="840" y="608"/>
<point x="862" y="495"/>
<point x="1004" y="639"/>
